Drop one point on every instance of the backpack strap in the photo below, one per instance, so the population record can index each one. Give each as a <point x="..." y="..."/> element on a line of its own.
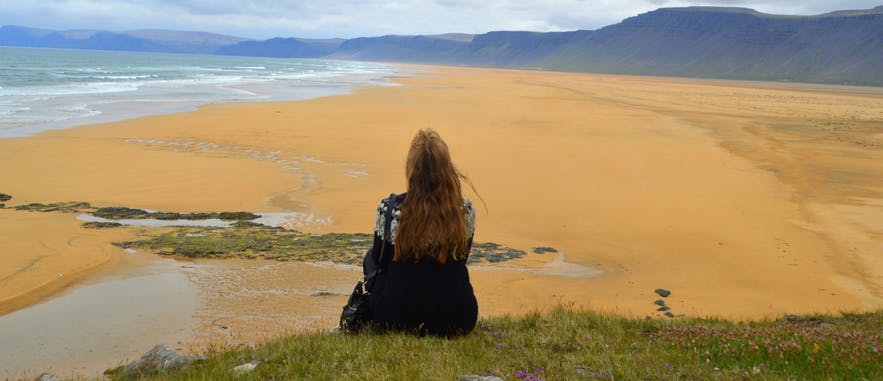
<point x="387" y="236"/>
<point x="387" y="227"/>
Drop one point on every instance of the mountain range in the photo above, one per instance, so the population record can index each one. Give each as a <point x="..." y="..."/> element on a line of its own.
<point x="843" y="47"/>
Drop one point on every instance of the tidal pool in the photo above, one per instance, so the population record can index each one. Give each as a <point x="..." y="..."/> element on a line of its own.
<point x="109" y="319"/>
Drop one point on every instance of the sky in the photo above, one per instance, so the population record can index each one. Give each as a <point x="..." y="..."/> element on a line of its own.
<point x="263" y="19"/>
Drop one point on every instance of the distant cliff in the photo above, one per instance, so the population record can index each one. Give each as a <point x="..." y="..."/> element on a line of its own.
<point x="736" y="43"/>
<point x="164" y="41"/>
<point x="843" y="47"/>
<point x="283" y="48"/>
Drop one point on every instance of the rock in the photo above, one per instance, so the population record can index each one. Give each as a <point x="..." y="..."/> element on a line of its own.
<point x="121" y="212"/>
<point x="663" y="308"/>
<point x="166" y="216"/>
<point x="796" y="319"/>
<point x="157" y="361"/>
<point x="6" y="197"/>
<point x="662" y="292"/>
<point x="474" y="377"/>
<point x="101" y="225"/>
<point x="659" y="302"/>
<point x="240" y="216"/>
<point x="544" y="250"/>
<point x="669" y="314"/>
<point x="2" y="205"/>
<point x="493" y="252"/>
<point x="46" y="377"/>
<point x="66" y="207"/>
<point x="246" y="368"/>
<point x="198" y="216"/>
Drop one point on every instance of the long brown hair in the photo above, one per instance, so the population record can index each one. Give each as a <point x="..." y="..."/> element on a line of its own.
<point x="432" y="222"/>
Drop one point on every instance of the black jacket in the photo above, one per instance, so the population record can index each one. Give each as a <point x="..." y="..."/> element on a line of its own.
<point x="423" y="297"/>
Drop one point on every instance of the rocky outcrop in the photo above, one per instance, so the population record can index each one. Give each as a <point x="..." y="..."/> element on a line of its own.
<point x="64" y="207"/>
<point x="158" y="360"/>
<point x="46" y="377"/>
<point x="122" y="212"/>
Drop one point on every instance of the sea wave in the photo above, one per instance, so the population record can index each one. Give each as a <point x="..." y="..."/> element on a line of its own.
<point x="65" y="88"/>
<point x="71" y="89"/>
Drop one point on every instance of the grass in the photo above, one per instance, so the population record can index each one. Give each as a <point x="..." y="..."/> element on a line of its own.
<point x="565" y="344"/>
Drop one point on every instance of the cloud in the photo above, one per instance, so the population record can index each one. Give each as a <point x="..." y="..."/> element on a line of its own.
<point x="351" y="18"/>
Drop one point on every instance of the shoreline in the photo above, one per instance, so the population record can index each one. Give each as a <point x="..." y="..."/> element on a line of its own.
<point x="62" y="274"/>
<point x="104" y="91"/>
<point x="49" y="287"/>
<point x="392" y="127"/>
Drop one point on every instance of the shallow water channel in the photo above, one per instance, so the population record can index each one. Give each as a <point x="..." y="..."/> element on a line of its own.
<point x="110" y="318"/>
<point x="143" y="300"/>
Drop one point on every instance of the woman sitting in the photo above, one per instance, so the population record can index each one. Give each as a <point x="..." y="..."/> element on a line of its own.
<point x="424" y="285"/>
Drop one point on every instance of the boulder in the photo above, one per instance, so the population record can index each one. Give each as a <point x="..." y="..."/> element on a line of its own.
<point x="158" y="360"/>
<point x="246" y="368"/>
<point x="46" y="377"/>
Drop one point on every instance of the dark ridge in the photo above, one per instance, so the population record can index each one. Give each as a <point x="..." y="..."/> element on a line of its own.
<point x="841" y="47"/>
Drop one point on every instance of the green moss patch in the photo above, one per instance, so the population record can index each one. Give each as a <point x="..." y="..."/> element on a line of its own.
<point x="122" y="212"/>
<point x="250" y="240"/>
<point x="65" y="207"/>
<point x="101" y="225"/>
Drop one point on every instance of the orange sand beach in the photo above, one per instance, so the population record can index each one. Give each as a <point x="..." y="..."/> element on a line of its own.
<point x="746" y="200"/>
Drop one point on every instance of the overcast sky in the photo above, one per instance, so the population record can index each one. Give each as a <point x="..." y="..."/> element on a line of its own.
<point x="354" y="18"/>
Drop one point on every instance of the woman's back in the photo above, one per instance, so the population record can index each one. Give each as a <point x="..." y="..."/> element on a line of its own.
<point x="422" y="295"/>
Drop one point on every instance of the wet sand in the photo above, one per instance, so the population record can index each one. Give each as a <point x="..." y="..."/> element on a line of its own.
<point x="43" y="253"/>
<point x="746" y="200"/>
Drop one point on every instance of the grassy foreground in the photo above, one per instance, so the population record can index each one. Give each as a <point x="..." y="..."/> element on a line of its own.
<point x="565" y="344"/>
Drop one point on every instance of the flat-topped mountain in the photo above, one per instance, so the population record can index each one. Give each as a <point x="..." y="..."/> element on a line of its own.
<point x="844" y="47"/>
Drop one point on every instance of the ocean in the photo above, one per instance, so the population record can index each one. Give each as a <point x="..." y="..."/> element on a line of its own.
<point x="42" y="89"/>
